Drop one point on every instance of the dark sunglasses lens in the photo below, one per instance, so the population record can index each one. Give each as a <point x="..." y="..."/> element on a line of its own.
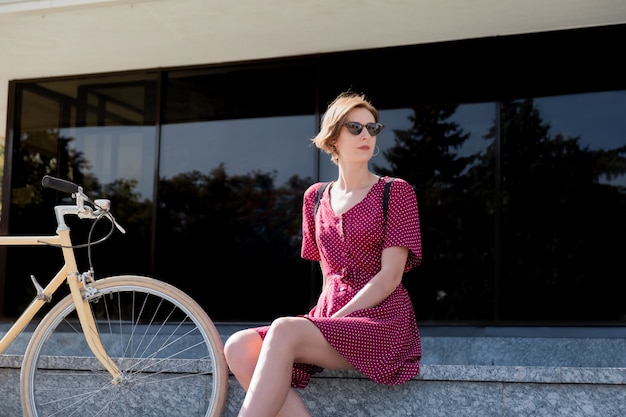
<point x="353" y="127"/>
<point x="356" y="128"/>
<point x="374" y="128"/>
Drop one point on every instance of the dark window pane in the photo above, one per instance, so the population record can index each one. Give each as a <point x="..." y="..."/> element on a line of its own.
<point x="522" y="214"/>
<point x="247" y="91"/>
<point x="564" y="204"/>
<point x="442" y="151"/>
<point x="100" y="133"/>
<point x="230" y="194"/>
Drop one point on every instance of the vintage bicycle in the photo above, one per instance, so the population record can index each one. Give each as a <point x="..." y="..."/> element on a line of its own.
<point x="124" y="345"/>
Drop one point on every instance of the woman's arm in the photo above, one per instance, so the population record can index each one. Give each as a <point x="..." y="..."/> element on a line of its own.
<point x="382" y="284"/>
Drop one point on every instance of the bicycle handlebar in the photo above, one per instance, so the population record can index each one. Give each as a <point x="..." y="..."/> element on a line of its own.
<point x="58" y="184"/>
<point x="101" y="206"/>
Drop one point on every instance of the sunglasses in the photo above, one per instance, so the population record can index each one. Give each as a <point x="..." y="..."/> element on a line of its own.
<point x="355" y="128"/>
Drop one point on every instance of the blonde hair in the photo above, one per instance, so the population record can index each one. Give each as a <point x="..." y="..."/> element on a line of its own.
<point x="334" y="117"/>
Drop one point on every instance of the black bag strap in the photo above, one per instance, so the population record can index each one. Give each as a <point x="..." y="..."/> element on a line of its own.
<point x="386" y="196"/>
<point x="320" y="191"/>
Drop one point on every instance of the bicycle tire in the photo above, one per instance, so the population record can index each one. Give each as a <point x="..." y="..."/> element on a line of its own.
<point x="167" y="347"/>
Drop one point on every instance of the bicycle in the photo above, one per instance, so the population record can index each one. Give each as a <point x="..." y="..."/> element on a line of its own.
<point x="146" y="348"/>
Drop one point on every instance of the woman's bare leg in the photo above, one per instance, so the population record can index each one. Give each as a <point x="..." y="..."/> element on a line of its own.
<point x="242" y="352"/>
<point x="289" y="340"/>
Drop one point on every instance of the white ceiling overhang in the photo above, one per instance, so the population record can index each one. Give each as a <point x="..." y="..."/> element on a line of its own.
<point x="65" y="37"/>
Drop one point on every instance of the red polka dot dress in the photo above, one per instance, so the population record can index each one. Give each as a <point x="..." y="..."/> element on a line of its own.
<point x="383" y="341"/>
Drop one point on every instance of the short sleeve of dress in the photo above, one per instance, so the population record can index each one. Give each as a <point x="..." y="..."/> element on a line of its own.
<point x="309" y="248"/>
<point x="403" y="226"/>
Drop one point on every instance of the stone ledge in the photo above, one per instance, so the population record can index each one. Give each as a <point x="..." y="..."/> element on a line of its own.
<point x="535" y="372"/>
<point x="467" y="373"/>
<point x="513" y="374"/>
<point x="439" y="391"/>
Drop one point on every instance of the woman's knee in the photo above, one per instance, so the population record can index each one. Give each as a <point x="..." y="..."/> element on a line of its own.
<point x="288" y="331"/>
<point x="242" y="350"/>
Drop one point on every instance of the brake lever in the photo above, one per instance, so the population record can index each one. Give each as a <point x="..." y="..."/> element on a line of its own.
<point x="103" y="206"/>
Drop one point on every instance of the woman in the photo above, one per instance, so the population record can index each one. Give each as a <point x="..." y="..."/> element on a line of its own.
<point x="364" y="318"/>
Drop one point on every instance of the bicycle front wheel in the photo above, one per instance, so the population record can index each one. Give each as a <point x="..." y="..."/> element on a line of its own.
<point x="168" y="349"/>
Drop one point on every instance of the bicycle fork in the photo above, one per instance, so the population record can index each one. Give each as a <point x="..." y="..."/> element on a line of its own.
<point x="80" y="293"/>
<point x="88" y="323"/>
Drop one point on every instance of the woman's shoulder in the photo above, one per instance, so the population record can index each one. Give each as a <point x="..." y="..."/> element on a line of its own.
<point x="310" y="194"/>
<point x="398" y="183"/>
<point x="313" y="188"/>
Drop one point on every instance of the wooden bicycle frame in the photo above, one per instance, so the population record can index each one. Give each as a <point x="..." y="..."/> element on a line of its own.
<point x="69" y="273"/>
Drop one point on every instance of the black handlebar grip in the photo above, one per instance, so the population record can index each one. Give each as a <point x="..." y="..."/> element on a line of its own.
<point x="59" y="184"/>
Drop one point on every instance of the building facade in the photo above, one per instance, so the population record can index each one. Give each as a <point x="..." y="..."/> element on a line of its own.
<point x="516" y="146"/>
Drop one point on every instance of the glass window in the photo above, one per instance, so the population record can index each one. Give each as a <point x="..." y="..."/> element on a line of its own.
<point x="521" y="200"/>
<point x="278" y="146"/>
<point x="117" y="156"/>
<point x="100" y="133"/>
<point x="564" y="170"/>
<point x="230" y="189"/>
<point x="446" y="154"/>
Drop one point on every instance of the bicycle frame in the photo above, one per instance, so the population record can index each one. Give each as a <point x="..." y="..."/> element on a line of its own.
<point x="76" y="282"/>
